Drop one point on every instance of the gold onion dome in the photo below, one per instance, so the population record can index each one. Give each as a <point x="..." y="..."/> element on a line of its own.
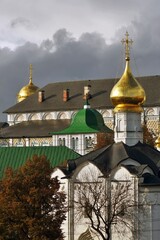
<point x="157" y="142"/>
<point x="127" y="94"/>
<point x="27" y="90"/>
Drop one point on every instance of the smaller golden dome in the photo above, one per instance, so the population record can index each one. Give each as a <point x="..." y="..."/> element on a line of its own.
<point x="157" y="142"/>
<point x="127" y="94"/>
<point x="27" y="90"/>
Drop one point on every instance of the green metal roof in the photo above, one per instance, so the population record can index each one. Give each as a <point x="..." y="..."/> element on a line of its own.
<point x="15" y="157"/>
<point x="86" y="121"/>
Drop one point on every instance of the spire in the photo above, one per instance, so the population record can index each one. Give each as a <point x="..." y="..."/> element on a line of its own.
<point x="87" y="105"/>
<point x="30" y="73"/>
<point x="128" y="42"/>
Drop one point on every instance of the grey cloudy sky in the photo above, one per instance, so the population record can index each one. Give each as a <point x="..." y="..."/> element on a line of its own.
<point x="74" y="39"/>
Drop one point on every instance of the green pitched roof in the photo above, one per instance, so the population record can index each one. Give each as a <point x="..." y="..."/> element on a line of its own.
<point x="86" y="121"/>
<point x="15" y="157"/>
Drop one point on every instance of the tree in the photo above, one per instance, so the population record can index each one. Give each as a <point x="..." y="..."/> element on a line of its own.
<point x="148" y="137"/>
<point x="106" y="205"/>
<point x="104" y="139"/>
<point x="32" y="205"/>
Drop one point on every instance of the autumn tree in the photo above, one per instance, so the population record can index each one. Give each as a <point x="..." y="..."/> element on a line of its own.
<point x="148" y="136"/>
<point x="104" y="139"/>
<point x="32" y="204"/>
<point x="107" y="206"/>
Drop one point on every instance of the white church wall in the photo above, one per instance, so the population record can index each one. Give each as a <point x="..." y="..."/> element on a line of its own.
<point x="146" y="209"/>
<point x="121" y="230"/>
<point x="84" y="175"/>
<point x="81" y="143"/>
<point x="63" y="187"/>
<point x="88" y="173"/>
<point x="150" y="199"/>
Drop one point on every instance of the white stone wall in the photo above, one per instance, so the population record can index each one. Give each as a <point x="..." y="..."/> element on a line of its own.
<point x="150" y="198"/>
<point x="81" y="143"/>
<point x="128" y="128"/>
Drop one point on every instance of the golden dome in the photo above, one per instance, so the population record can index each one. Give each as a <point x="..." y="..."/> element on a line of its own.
<point x="157" y="142"/>
<point x="27" y="90"/>
<point x="127" y="94"/>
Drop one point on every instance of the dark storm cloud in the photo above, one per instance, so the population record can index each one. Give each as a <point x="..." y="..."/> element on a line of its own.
<point x="58" y="59"/>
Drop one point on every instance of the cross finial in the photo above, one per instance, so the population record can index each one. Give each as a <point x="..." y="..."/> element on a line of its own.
<point x="30" y="73"/>
<point x="128" y="42"/>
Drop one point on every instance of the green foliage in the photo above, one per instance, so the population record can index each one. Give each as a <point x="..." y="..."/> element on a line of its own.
<point x="32" y="205"/>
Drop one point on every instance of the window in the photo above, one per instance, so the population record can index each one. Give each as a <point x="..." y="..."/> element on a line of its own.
<point x="45" y="143"/>
<point x="34" y="143"/>
<point x="74" y="143"/>
<point x="19" y="144"/>
<point x="88" y="142"/>
<point x="61" y="141"/>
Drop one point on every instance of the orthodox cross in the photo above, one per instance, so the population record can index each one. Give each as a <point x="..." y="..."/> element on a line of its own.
<point x="30" y="73"/>
<point x="128" y="42"/>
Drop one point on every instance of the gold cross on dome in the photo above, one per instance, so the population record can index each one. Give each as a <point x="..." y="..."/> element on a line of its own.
<point x="128" y="42"/>
<point x="30" y="73"/>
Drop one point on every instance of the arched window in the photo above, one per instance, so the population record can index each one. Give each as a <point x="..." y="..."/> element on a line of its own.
<point x="61" y="141"/>
<point x="19" y="118"/>
<point x="47" y="116"/>
<point x="149" y="112"/>
<point x="34" y="117"/>
<point x="74" y="143"/>
<point x="62" y="116"/>
<point x="88" y="142"/>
